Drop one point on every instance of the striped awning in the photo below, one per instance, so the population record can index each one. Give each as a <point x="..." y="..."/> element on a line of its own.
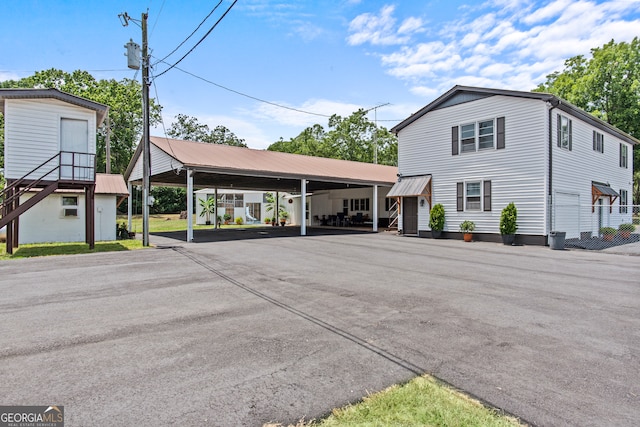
<point x="411" y="186"/>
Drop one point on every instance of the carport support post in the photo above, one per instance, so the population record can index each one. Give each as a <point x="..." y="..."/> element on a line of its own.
<point x="375" y="208"/>
<point x="189" y="205"/>
<point x="303" y="207"/>
<point x="215" y="210"/>
<point x="130" y="205"/>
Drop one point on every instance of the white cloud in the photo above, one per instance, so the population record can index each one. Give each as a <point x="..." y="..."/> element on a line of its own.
<point x="4" y="76"/>
<point x="381" y="29"/>
<point x="500" y="43"/>
<point x="411" y="25"/>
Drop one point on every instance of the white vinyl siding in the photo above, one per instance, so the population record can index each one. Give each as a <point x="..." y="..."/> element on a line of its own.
<point x="573" y="172"/>
<point x="45" y="222"/>
<point x="162" y="162"/>
<point x="32" y="132"/>
<point x="517" y="172"/>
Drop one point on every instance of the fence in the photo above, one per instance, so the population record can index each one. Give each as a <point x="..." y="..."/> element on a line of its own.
<point x="597" y="226"/>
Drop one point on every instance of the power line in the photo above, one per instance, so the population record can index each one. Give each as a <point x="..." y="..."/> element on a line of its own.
<point x="190" y="35"/>
<point x="249" y="96"/>
<point x="201" y="40"/>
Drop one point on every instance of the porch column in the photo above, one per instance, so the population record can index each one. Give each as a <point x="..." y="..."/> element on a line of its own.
<point x="303" y="205"/>
<point x="130" y="205"/>
<point x="189" y="205"/>
<point x="90" y="221"/>
<point x="375" y="208"/>
<point x="215" y="210"/>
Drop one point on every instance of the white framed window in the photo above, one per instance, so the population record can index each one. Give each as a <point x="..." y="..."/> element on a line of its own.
<point x="359" y="204"/>
<point x="564" y="132"/>
<point x="624" y="156"/>
<point x="623" y="201"/>
<point x="70" y="206"/>
<point x="477" y="136"/>
<point x="468" y="137"/>
<point x="485" y="134"/>
<point x="473" y="196"/>
<point x="598" y="142"/>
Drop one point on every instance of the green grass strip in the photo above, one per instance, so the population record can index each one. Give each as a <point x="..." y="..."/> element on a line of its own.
<point x="422" y="402"/>
<point x="48" y="249"/>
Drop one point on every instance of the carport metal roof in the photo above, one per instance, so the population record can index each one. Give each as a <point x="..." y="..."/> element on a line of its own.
<point x="224" y="166"/>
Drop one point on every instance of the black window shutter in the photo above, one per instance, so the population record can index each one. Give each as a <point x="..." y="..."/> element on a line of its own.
<point x="352" y="206"/>
<point x="559" y="131"/>
<point x="454" y="141"/>
<point x="620" y="156"/>
<point x="595" y="138"/>
<point x="460" y="196"/>
<point x="570" y="136"/>
<point x="500" y="140"/>
<point x="487" y="196"/>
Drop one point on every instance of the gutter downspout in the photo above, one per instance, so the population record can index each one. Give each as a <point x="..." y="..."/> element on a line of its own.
<point x="553" y="103"/>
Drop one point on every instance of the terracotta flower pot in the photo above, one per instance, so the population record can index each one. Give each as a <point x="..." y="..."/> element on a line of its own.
<point x="467" y="237"/>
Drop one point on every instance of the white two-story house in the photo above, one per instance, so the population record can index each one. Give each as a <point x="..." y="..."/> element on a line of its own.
<point x="474" y="150"/>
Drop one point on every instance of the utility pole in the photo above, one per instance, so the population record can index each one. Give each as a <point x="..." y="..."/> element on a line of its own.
<point x="146" y="149"/>
<point x="134" y="63"/>
<point x="375" y="134"/>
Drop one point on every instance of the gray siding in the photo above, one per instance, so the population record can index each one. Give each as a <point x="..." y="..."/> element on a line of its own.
<point x="573" y="171"/>
<point x="517" y="172"/>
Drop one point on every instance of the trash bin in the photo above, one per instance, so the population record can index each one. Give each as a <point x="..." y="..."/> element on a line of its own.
<point x="556" y="239"/>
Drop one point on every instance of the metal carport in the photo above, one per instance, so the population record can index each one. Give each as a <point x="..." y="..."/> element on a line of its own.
<point x="199" y="165"/>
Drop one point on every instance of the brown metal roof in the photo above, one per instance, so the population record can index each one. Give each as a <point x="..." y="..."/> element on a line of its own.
<point x="227" y="166"/>
<point x="111" y="184"/>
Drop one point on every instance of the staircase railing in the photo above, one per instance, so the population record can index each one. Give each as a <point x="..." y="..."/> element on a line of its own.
<point x="80" y="168"/>
<point x="393" y="214"/>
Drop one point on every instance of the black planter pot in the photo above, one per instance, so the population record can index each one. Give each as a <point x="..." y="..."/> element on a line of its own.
<point x="436" y="234"/>
<point x="508" y="239"/>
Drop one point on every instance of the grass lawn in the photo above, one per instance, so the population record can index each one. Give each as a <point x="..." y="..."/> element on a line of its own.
<point x="171" y="222"/>
<point x="424" y="401"/>
<point x="46" y="249"/>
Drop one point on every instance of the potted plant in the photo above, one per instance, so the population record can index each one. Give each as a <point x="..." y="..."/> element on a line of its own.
<point x="274" y="223"/>
<point x="226" y="218"/>
<point x="625" y="230"/>
<point x="508" y="225"/>
<point x="267" y="221"/>
<point x="208" y="206"/>
<point x="239" y="221"/>
<point x="607" y="233"/>
<point x="283" y="217"/>
<point x="467" y="227"/>
<point x="436" y="220"/>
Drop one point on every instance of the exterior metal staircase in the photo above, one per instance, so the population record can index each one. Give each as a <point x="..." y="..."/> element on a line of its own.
<point x="393" y="214"/>
<point x="49" y="176"/>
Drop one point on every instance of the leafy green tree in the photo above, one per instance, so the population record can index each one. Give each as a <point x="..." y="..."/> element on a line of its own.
<point x="188" y="128"/>
<point x="348" y="138"/>
<point x="125" y="109"/>
<point x="607" y="85"/>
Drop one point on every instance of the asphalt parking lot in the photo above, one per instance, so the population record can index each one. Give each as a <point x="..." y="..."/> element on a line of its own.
<point x="244" y="332"/>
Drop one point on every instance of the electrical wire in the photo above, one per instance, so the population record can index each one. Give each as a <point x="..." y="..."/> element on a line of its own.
<point x="201" y="40"/>
<point x="157" y="18"/>
<point x="164" y="129"/>
<point x="249" y="96"/>
<point x="190" y="35"/>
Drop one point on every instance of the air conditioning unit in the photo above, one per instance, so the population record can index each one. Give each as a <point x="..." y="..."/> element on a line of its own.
<point x="69" y="212"/>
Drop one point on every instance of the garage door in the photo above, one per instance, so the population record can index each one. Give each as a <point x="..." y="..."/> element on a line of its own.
<point x="566" y="214"/>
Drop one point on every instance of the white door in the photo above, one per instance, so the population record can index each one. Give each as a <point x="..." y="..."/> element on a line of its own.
<point x="74" y="145"/>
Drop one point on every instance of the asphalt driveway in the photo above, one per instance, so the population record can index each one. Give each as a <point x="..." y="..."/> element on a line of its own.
<point x="250" y="331"/>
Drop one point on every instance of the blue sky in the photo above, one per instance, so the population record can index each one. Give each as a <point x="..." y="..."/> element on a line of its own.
<point x="322" y="57"/>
